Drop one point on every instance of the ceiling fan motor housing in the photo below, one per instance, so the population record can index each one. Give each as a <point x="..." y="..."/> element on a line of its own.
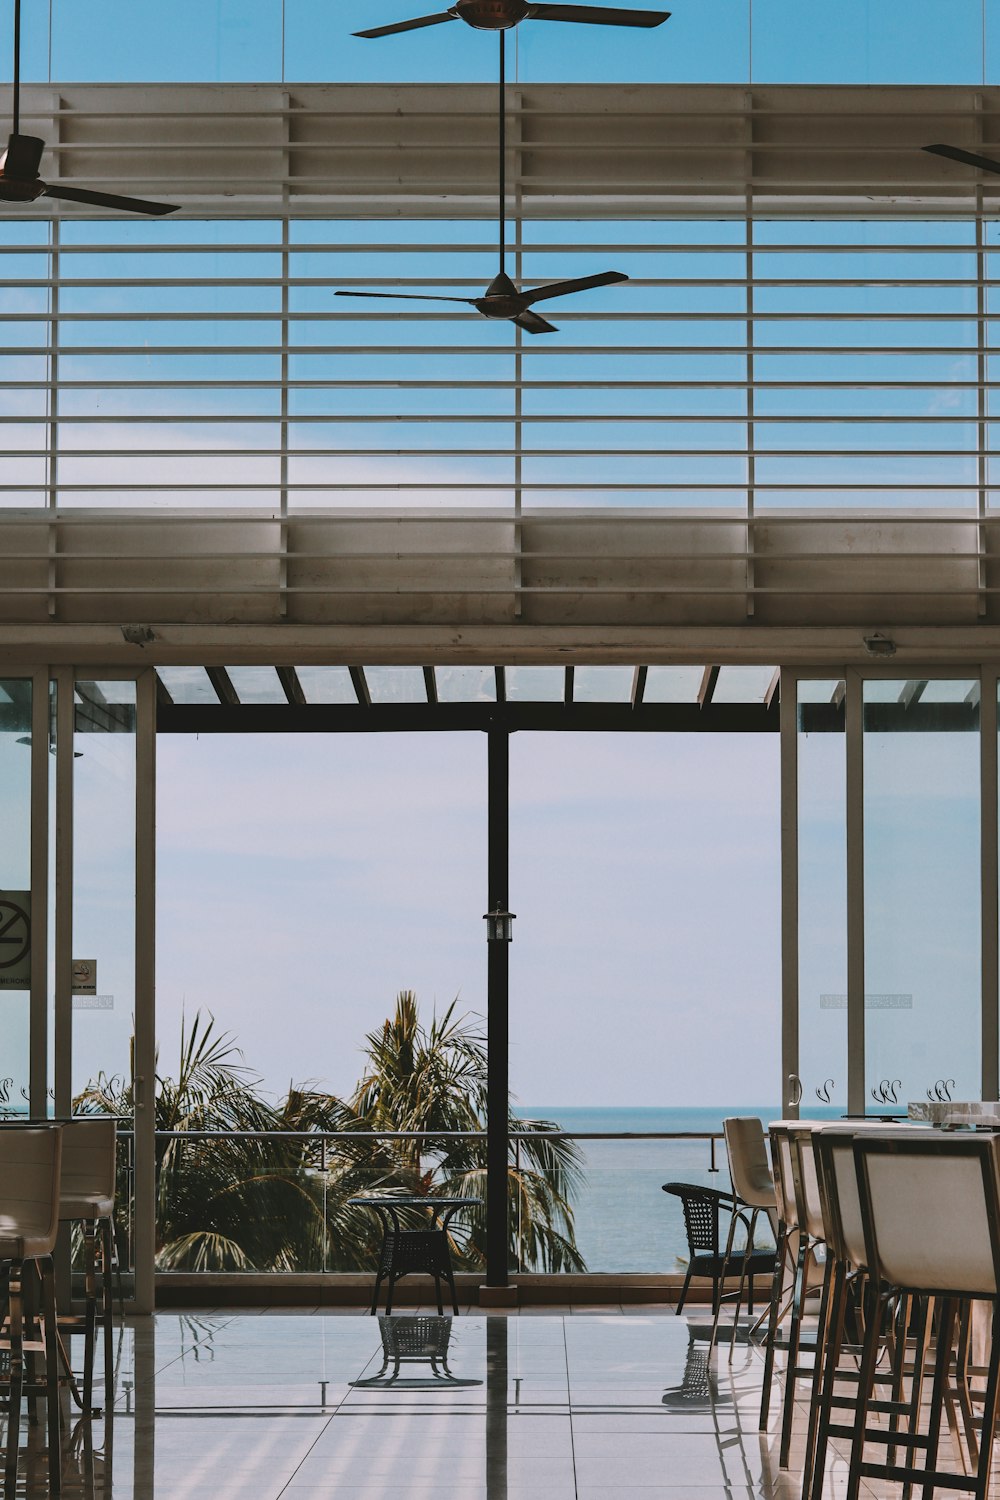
<point x="492" y="15"/>
<point x="21" y="160"/>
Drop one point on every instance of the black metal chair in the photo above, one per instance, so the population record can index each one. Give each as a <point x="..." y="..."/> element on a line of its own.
<point x="703" y="1207"/>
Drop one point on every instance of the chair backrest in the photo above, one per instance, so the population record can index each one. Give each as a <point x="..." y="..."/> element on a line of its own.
<point x="701" y="1216"/>
<point x="809" y="1205"/>
<point x="930" y="1205"/>
<point x="748" y="1163"/>
<point x="30" y="1163"/>
<point x="88" y="1159"/>
<point x="836" y="1172"/>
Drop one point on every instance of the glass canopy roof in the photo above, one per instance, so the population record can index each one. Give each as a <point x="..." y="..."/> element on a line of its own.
<point x="412" y="685"/>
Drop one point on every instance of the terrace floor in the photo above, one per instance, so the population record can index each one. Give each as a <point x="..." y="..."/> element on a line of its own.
<point x="613" y="1404"/>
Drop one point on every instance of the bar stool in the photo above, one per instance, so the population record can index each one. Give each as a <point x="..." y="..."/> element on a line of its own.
<point x="30" y="1161"/>
<point x="800" y="1237"/>
<point x="846" y="1278"/>
<point x="753" y="1185"/>
<point x="87" y="1198"/>
<point x="930" y="1207"/>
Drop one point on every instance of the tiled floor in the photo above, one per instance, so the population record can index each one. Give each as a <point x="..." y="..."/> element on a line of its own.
<point x="568" y="1405"/>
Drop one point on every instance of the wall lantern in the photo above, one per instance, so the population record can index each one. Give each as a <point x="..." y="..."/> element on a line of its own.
<point x="499" y="925"/>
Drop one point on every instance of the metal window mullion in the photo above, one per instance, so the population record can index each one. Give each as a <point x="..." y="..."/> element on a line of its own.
<point x="990" y="885"/>
<point x="144" y="1065"/>
<point x="65" y="764"/>
<point x="789" y="812"/>
<point x="283" y="423"/>
<point x="52" y="458"/>
<point x="854" y="724"/>
<point x="751" y="463"/>
<point x="514" y="136"/>
<point x="38" y="1026"/>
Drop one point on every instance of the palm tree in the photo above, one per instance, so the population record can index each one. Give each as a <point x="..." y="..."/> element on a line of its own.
<point x="243" y="1184"/>
<point x="432" y="1081"/>
<point x="235" y="1190"/>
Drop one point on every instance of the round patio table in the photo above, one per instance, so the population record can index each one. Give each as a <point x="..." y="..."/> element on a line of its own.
<point x="406" y="1250"/>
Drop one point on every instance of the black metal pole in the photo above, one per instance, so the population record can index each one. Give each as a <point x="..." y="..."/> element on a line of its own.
<point x="503" y="152"/>
<point x="17" y="68"/>
<point x="497" y="1086"/>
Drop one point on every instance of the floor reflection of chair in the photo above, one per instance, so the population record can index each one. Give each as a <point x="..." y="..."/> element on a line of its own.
<point x="422" y="1340"/>
<point x="699" y="1395"/>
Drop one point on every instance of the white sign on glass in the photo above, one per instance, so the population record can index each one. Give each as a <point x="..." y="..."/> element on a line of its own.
<point x="85" y="976"/>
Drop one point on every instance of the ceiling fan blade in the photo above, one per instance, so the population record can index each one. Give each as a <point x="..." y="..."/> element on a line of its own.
<point x="437" y="20"/>
<point x="409" y="297"/>
<point x="598" y="15"/>
<point x="532" y="323"/>
<point x="955" y="153"/>
<point x="563" y="288"/>
<point x="110" y="200"/>
<point x="22" y="157"/>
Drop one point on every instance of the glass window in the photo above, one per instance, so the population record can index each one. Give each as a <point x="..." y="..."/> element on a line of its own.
<point x="188" y="685"/>
<point x="15" y="892"/>
<point x="602" y="684"/>
<point x="822" y="895"/>
<point x="396" y="684"/>
<point x="535" y="684"/>
<point x="672" y="684"/>
<point x="466" y="684"/>
<point x="257" y="685"/>
<point x="922" y="892"/>
<point x="743" y="684"/>
<point x="326" y="684"/>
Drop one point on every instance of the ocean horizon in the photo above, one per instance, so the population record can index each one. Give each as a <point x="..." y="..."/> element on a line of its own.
<point x="624" y="1221"/>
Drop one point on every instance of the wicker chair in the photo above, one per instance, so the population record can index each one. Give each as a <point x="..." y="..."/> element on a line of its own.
<point x="706" y="1248"/>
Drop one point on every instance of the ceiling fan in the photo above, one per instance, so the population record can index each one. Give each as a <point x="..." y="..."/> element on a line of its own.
<point x="970" y="158"/>
<point x="502" y="15"/>
<point x="501" y="298"/>
<point x="19" y="179"/>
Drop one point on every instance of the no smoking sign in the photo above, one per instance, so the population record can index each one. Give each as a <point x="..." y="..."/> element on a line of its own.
<point x="15" y="940"/>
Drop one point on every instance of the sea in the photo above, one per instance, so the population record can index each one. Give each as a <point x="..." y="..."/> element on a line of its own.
<point x="624" y="1221"/>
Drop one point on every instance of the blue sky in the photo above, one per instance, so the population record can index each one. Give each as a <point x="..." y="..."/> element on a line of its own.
<point x="303" y="881"/>
<point x="714" y="41"/>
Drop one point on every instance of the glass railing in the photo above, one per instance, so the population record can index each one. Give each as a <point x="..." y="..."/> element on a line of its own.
<point x="258" y="1201"/>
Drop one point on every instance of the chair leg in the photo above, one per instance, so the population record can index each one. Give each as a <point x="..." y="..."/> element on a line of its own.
<point x="866" y="1379"/>
<point x="794" y="1336"/>
<point x="822" y="1399"/>
<point x="107" y="1257"/>
<point x="942" y="1363"/>
<point x="388" y="1299"/>
<point x="90" y="1311"/>
<point x="991" y="1405"/>
<point x="717" y="1302"/>
<point x="378" y="1284"/>
<point x="16" y="1382"/>
<point x="743" y="1277"/>
<point x="48" y="1280"/>
<point x="831" y="1270"/>
<point x="777" y="1286"/>
<point x="684" y="1291"/>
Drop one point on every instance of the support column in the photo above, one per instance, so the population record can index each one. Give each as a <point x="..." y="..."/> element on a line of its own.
<point x="856" y="1092"/>
<point x="791" y="1084"/>
<point x="496" y="1291"/>
<point x="144" y="1057"/>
